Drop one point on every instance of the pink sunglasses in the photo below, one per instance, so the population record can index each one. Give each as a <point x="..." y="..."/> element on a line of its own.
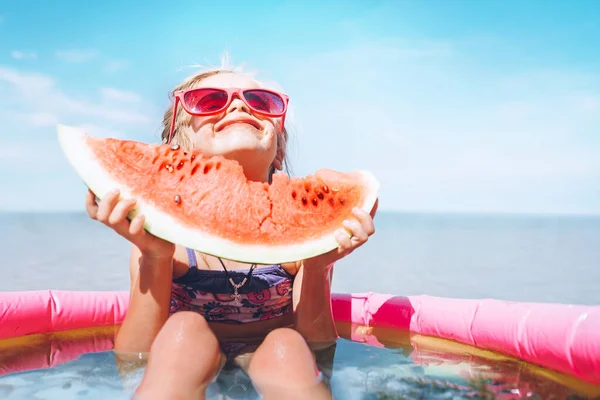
<point x="210" y="101"/>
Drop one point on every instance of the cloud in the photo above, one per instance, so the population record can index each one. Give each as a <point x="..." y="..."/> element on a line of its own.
<point x="25" y="81"/>
<point x="585" y="103"/>
<point x="102" y="132"/>
<point x="23" y="55"/>
<point x="443" y="131"/>
<point x="39" y="94"/>
<point x="77" y="55"/>
<point x="31" y="119"/>
<point x="116" y="65"/>
<point x="121" y="96"/>
<point x="31" y="104"/>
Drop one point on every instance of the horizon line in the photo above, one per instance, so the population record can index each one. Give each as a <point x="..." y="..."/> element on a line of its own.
<point x="386" y="211"/>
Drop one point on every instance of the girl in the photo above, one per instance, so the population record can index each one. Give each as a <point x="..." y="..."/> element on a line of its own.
<point x="224" y="112"/>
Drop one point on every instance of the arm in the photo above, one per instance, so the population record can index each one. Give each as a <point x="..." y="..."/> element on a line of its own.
<point x="149" y="301"/>
<point x="150" y="269"/>
<point x="313" y="316"/>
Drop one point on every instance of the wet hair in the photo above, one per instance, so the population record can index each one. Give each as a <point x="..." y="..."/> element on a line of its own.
<point x="182" y="132"/>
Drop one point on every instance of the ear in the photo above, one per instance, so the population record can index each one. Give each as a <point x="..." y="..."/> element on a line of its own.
<point x="277" y="163"/>
<point x="279" y="155"/>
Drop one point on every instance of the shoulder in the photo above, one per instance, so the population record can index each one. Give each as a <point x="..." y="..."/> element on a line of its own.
<point x="181" y="261"/>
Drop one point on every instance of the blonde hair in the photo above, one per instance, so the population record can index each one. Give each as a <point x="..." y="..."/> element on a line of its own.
<point x="182" y="131"/>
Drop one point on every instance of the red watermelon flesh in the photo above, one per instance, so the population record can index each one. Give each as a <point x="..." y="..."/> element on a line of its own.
<point x="206" y="203"/>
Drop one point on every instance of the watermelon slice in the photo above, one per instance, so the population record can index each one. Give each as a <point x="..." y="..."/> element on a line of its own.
<point x="207" y="204"/>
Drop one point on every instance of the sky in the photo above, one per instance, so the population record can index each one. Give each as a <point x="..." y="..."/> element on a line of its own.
<point x="455" y="106"/>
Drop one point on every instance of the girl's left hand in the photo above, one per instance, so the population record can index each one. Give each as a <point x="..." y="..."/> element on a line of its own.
<point x="354" y="233"/>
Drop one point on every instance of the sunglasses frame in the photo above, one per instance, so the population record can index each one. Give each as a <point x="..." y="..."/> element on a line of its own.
<point x="179" y="95"/>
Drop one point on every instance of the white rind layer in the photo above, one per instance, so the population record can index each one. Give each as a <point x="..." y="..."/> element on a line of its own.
<point x="160" y="224"/>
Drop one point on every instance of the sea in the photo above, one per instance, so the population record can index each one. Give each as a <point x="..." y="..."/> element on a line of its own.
<point x="534" y="258"/>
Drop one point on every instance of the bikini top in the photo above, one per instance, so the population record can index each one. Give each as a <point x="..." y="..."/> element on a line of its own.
<point x="266" y="293"/>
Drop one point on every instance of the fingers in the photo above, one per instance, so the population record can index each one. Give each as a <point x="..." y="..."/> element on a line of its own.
<point x="90" y="204"/>
<point x="120" y="211"/>
<point x="366" y="220"/>
<point x="136" y="227"/>
<point x="113" y="212"/>
<point x="106" y="206"/>
<point x="344" y="241"/>
<point x="355" y="232"/>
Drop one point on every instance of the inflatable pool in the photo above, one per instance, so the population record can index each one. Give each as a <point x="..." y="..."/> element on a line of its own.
<point x="561" y="341"/>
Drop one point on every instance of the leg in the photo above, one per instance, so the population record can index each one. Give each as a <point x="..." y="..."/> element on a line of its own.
<point x="283" y="367"/>
<point x="184" y="359"/>
<point x="324" y="357"/>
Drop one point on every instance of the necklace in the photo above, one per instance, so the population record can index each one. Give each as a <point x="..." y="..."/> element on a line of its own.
<point x="236" y="296"/>
<point x="201" y="255"/>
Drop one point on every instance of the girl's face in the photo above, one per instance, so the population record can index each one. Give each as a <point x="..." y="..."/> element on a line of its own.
<point x="237" y="133"/>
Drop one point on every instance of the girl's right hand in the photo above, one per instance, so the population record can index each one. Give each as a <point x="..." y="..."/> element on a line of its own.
<point x="112" y="212"/>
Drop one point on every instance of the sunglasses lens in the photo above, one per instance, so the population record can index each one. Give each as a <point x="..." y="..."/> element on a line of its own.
<point x="265" y="102"/>
<point x="205" y="100"/>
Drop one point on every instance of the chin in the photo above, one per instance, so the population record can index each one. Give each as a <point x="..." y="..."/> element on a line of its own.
<point x="245" y="138"/>
<point x="254" y="161"/>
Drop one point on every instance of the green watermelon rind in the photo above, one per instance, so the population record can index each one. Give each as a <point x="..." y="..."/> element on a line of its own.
<point x="74" y="145"/>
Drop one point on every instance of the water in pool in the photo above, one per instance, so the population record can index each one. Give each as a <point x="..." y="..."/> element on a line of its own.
<point x="85" y="368"/>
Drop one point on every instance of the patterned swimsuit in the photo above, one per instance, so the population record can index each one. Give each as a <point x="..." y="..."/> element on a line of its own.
<point x="266" y="294"/>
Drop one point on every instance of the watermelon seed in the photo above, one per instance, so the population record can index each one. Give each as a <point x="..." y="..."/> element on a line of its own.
<point x="342" y="201"/>
<point x="294" y="194"/>
<point x="185" y="153"/>
<point x="218" y="166"/>
<point x="180" y="165"/>
<point x="195" y="169"/>
<point x="304" y="201"/>
<point x="169" y="167"/>
<point x="177" y="199"/>
<point x="320" y="195"/>
<point x="193" y="157"/>
<point x="331" y="201"/>
<point x="175" y="147"/>
<point x="207" y="167"/>
<point x="314" y="201"/>
<point x="325" y="189"/>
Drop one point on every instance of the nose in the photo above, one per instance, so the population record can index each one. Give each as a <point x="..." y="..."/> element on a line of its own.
<point x="237" y="105"/>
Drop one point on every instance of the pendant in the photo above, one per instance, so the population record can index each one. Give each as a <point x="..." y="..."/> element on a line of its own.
<point x="236" y="297"/>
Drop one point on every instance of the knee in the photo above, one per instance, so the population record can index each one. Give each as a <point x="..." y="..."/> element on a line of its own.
<point x="283" y="342"/>
<point x="283" y="356"/>
<point x="282" y="347"/>
<point x="186" y="328"/>
<point x="188" y="321"/>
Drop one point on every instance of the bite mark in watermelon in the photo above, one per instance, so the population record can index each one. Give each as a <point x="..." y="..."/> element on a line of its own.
<point x="207" y="204"/>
